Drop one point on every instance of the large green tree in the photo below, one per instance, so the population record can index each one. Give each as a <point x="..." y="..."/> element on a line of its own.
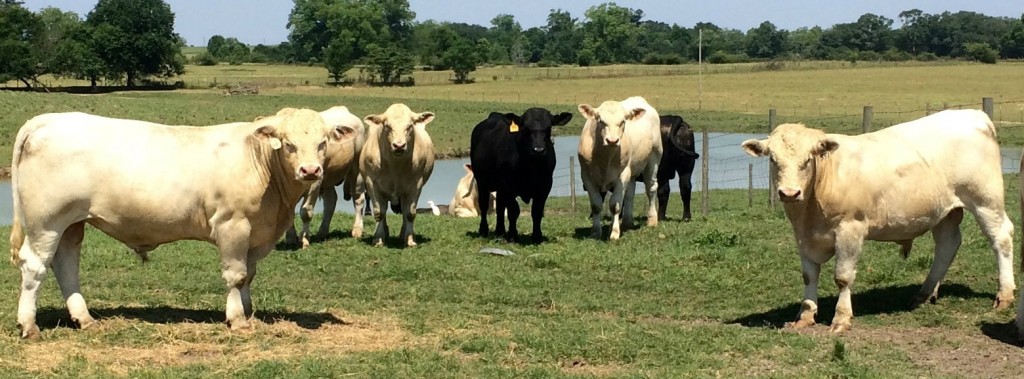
<point x="563" y="37"/>
<point x="612" y="32"/>
<point x="766" y="41"/>
<point x="136" y="38"/>
<point x="20" y="33"/>
<point x="1013" y="41"/>
<point x="462" y="59"/>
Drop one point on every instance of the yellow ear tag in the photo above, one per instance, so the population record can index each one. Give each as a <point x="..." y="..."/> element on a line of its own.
<point x="275" y="143"/>
<point x="513" y="128"/>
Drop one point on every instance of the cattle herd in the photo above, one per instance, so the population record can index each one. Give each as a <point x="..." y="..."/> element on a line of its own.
<point x="244" y="180"/>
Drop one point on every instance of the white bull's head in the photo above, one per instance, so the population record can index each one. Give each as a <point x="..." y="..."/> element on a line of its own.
<point x="397" y="126"/>
<point x="794" y="151"/>
<point x="299" y="137"/>
<point x="610" y="120"/>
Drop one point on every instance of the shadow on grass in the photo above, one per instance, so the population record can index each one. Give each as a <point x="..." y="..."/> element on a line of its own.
<point x="1003" y="332"/>
<point x="332" y="235"/>
<point x="49" y="318"/>
<point x="523" y="240"/>
<point x="394" y="241"/>
<point x="876" y="301"/>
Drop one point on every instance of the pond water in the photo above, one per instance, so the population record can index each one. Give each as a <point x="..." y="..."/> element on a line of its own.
<point x="729" y="167"/>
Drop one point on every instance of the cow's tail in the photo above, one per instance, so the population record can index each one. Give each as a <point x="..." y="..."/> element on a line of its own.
<point x="17" y="229"/>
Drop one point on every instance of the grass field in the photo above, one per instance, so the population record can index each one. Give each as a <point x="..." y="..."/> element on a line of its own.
<point x="705" y="298"/>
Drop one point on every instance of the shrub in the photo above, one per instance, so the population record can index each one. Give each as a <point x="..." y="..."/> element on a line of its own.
<point x="896" y="55"/>
<point x="205" y="59"/>
<point x="927" y="57"/>
<point x="981" y="52"/>
<point x="869" y="56"/>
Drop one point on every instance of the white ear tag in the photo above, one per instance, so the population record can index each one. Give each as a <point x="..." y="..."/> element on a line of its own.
<point x="275" y="143"/>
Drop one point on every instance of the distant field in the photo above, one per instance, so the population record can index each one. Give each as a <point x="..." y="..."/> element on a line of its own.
<point x="734" y="98"/>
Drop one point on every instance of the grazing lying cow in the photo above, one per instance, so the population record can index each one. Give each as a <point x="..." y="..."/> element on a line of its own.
<point x="396" y="162"/>
<point x="619" y="141"/>
<point x="891" y="185"/>
<point x="514" y="156"/>
<point x="341" y="165"/>
<point x="679" y="158"/>
<point x="464" y="202"/>
<point x="145" y="184"/>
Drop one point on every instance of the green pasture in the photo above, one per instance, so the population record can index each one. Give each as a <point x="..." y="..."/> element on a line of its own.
<point x="700" y="299"/>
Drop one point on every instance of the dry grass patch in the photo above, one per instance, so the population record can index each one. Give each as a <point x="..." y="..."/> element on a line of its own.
<point x="180" y="344"/>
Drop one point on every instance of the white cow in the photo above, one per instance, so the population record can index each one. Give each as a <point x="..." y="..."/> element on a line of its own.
<point x="620" y="141"/>
<point x="341" y="165"/>
<point x="894" y="184"/>
<point x="396" y="162"/>
<point x="145" y="184"/>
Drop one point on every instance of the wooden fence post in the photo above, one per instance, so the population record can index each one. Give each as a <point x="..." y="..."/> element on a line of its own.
<point x="869" y="113"/>
<point x="704" y="195"/>
<point x="987" y="106"/>
<point x="572" y="182"/>
<point x="771" y="185"/>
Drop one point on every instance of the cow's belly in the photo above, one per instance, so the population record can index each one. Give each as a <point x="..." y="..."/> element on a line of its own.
<point x="136" y="225"/>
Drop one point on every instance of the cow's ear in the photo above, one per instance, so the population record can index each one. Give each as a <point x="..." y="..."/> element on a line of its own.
<point x="635" y="114"/>
<point x="269" y="134"/>
<point x="755" y="147"/>
<point x="825" y="146"/>
<point x="425" y="118"/>
<point x="342" y="133"/>
<point x="561" y="119"/>
<point x="468" y="167"/>
<point x="588" y="111"/>
<point x="374" y="120"/>
<point x="286" y="111"/>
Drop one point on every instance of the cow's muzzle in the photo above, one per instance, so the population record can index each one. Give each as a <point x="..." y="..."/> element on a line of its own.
<point x="311" y="172"/>
<point x="399" y="148"/>
<point x="790" y="195"/>
<point x="611" y="141"/>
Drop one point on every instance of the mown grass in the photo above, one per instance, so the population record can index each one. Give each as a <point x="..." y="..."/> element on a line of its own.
<point x="704" y="298"/>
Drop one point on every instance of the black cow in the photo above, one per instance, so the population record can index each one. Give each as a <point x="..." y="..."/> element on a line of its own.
<point x="515" y="156"/>
<point x="679" y="157"/>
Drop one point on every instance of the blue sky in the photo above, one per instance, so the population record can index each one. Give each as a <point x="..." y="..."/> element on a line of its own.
<point x="264" y="21"/>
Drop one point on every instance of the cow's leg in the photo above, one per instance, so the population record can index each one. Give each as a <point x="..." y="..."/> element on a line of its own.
<point x="483" y="201"/>
<point x="849" y="241"/>
<point x="996" y="225"/>
<point x="291" y="237"/>
<point x="664" y="188"/>
<point x="512" y="205"/>
<point x="627" y="204"/>
<point x="616" y="207"/>
<point x="596" y="202"/>
<point x="537" y="213"/>
<point x="329" y="194"/>
<point x="233" y="243"/>
<point x="306" y="213"/>
<point x="409" y="218"/>
<point x="651" y="187"/>
<point x="255" y="255"/>
<point x="358" y="202"/>
<point x="65" y="269"/>
<point x="947" y="241"/>
<point x="809" y="307"/>
<point x="379" y="205"/>
<point x="501" y="210"/>
<point x="37" y="251"/>
<point x="686" y="191"/>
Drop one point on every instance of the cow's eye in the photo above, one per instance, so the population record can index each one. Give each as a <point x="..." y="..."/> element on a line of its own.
<point x="290" y="146"/>
<point x="805" y="163"/>
<point x="322" y="145"/>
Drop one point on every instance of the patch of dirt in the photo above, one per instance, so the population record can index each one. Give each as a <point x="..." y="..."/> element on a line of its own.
<point x="203" y="343"/>
<point x="947" y="352"/>
<point x="579" y="366"/>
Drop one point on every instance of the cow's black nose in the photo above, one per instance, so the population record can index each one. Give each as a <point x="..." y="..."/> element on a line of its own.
<point x="538" y="150"/>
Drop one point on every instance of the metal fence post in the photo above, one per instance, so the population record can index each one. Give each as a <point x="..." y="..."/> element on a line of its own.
<point x="704" y="195"/>
<point x="572" y="182"/>
<point x="771" y="184"/>
<point x="987" y="106"/>
<point x="750" y="185"/>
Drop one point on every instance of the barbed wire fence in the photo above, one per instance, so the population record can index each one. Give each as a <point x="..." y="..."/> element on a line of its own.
<point x="724" y="165"/>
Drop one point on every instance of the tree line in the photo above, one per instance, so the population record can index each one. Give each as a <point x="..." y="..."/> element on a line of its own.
<point x="130" y="40"/>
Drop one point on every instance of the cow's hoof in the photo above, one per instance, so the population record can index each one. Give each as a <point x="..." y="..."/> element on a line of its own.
<point x="305" y="243"/>
<point x="30" y="333"/>
<point x="686" y="218"/>
<point x="357" y="233"/>
<point x="537" y="238"/>
<point x="1003" y="301"/>
<point x="239" y="325"/>
<point x="85" y="322"/>
<point x="614" y="236"/>
<point x="801" y="323"/>
<point x="652" y="222"/>
<point x="919" y="300"/>
<point x="378" y="242"/>
<point x="840" y="327"/>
